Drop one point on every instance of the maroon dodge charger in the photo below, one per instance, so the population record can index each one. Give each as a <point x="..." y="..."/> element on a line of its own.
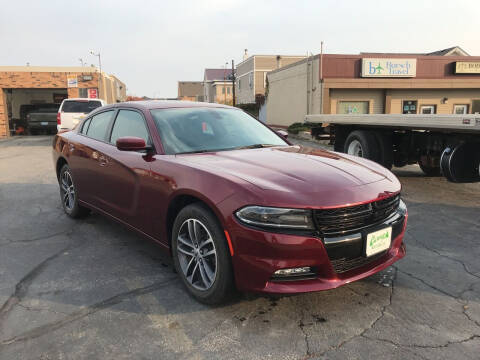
<point x="234" y="203"/>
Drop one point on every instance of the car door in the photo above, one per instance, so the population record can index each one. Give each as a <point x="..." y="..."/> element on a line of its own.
<point x="87" y="157"/>
<point x="127" y="173"/>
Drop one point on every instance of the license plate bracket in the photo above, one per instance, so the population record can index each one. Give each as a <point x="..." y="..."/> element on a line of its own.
<point x="378" y="241"/>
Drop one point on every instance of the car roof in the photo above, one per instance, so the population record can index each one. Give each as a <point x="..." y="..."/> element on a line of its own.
<point x="166" y="104"/>
<point x="82" y="99"/>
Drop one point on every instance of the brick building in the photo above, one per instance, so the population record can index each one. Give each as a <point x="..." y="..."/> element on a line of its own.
<point x="29" y="85"/>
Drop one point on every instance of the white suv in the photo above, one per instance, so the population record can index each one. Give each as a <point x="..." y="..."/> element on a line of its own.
<point x="72" y="111"/>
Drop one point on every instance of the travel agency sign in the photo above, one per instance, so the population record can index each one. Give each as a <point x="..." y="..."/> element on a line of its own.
<point x="386" y="68"/>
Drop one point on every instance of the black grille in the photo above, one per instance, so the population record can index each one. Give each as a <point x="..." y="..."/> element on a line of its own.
<point x="344" y="265"/>
<point x="346" y="219"/>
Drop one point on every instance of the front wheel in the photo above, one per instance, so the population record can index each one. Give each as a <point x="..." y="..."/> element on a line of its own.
<point x="201" y="256"/>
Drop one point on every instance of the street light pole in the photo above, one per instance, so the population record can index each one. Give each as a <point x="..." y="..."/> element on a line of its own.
<point x="224" y="83"/>
<point x="100" y="70"/>
<point x="233" y="83"/>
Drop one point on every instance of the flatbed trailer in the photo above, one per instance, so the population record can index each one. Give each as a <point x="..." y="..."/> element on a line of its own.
<point x="440" y="144"/>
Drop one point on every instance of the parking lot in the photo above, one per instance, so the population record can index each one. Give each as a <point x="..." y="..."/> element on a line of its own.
<point x="91" y="289"/>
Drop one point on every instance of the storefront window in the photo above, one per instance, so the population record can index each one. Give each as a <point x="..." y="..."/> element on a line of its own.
<point x="409" y="107"/>
<point x="352" y="107"/>
<point x="428" y="109"/>
<point x="460" y="109"/>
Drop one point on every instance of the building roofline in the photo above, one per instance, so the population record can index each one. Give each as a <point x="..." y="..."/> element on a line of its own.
<point x="263" y="55"/>
<point x="70" y="69"/>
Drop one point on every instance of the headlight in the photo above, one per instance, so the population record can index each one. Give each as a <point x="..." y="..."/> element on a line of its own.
<point x="402" y="208"/>
<point x="279" y="218"/>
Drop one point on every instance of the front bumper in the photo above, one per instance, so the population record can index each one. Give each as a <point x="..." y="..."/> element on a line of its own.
<point x="258" y="254"/>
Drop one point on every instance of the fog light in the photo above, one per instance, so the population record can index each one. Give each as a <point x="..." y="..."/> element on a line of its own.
<point x="293" y="271"/>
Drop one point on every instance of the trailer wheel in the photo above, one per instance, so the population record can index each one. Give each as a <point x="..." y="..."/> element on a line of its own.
<point x="461" y="163"/>
<point x="385" y="143"/>
<point x="363" y="144"/>
<point x="428" y="169"/>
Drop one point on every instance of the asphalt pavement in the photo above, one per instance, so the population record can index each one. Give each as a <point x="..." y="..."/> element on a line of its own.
<point x="90" y="289"/>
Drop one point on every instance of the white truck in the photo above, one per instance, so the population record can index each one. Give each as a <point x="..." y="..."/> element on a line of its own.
<point x="440" y="144"/>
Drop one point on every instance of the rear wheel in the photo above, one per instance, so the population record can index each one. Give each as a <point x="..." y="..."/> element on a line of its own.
<point x="68" y="194"/>
<point x="363" y="144"/>
<point x="201" y="256"/>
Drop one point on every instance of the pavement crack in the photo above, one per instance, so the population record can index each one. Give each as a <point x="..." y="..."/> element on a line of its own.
<point x="418" y="346"/>
<point x="44" y="237"/>
<point x="80" y="314"/>
<point x="301" y="326"/>
<point x="372" y="325"/>
<point x="444" y="256"/>
<point x="428" y="284"/>
<point x="22" y="286"/>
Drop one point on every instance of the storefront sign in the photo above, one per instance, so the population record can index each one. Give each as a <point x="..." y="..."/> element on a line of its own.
<point x="463" y="67"/>
<point x="389" y="67"/>
<point x="72" y="81"/>
<point x="92" y="93"/>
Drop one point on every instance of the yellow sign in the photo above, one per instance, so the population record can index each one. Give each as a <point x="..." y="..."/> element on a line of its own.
<point x="463" y="67"/>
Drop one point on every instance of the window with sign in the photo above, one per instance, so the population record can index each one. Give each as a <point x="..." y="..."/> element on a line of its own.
<point x="352" y="107"/>
<point x="409" y="107"/>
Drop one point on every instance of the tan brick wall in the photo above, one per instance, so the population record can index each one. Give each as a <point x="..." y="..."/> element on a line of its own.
<point x="434" y="97"/>
<point x="375" y="98"/>
<point x="3" y="116"/>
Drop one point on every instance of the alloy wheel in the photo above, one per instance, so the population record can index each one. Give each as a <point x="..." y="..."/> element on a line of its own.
<point x="68" y="190"/>
<point x="197" y="254"/>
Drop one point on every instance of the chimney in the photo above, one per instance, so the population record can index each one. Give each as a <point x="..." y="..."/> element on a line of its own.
<point x="245" y="55"/>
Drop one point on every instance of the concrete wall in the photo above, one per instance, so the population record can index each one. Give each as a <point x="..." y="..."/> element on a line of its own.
<point x="245" y="94"/>
<point x="287" y="95"/>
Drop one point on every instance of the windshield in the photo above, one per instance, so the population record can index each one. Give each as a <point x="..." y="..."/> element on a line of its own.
<point x="189" y="130"/>
<point x="79" y="106"/>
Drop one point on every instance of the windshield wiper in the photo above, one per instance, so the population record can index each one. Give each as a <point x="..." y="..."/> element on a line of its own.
<point x="254" y="146"/>
<point x="200" y="151"/>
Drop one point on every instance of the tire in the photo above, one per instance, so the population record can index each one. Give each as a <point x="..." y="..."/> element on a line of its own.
<point x="385" y="144"/>
<point x="429" y="170"/>
<point x="364" y="144"/>
<point x="68" y="194"/>
<point x="209" y="279"/>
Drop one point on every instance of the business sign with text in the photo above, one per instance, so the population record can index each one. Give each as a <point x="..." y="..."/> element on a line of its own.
<point x="389" y="67"/>
<point x="464" y="67"/>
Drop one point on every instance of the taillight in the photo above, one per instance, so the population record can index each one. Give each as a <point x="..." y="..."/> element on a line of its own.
<point x="59" y="119"/>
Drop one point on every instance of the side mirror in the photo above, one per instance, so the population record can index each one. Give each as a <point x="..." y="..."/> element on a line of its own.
<point x="282" y="133"/>
<point x="131" y="143"/>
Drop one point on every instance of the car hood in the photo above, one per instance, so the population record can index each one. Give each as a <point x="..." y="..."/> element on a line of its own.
<point x="293" y="168"/>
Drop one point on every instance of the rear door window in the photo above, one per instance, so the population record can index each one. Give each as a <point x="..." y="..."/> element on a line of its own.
<point x="80" y="106"/>
<point x="129" y="123"/>
<point x="85" y="126"/>
<point x="99" y="125"/>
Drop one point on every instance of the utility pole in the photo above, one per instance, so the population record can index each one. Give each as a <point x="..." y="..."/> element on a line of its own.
<point x="100" y="78"/>
<point x="233" y="83"/>
<point x="224" y="83"/>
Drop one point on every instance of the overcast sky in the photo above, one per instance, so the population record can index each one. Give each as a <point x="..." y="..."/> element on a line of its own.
<point x="150" y="45"/>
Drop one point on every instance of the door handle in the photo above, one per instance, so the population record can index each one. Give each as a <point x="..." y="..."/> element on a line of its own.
<point x="71" y="146"/>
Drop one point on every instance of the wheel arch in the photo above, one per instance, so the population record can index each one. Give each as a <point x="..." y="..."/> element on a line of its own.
<point x="181" y="200"/>
<point x="60" y="162"/>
